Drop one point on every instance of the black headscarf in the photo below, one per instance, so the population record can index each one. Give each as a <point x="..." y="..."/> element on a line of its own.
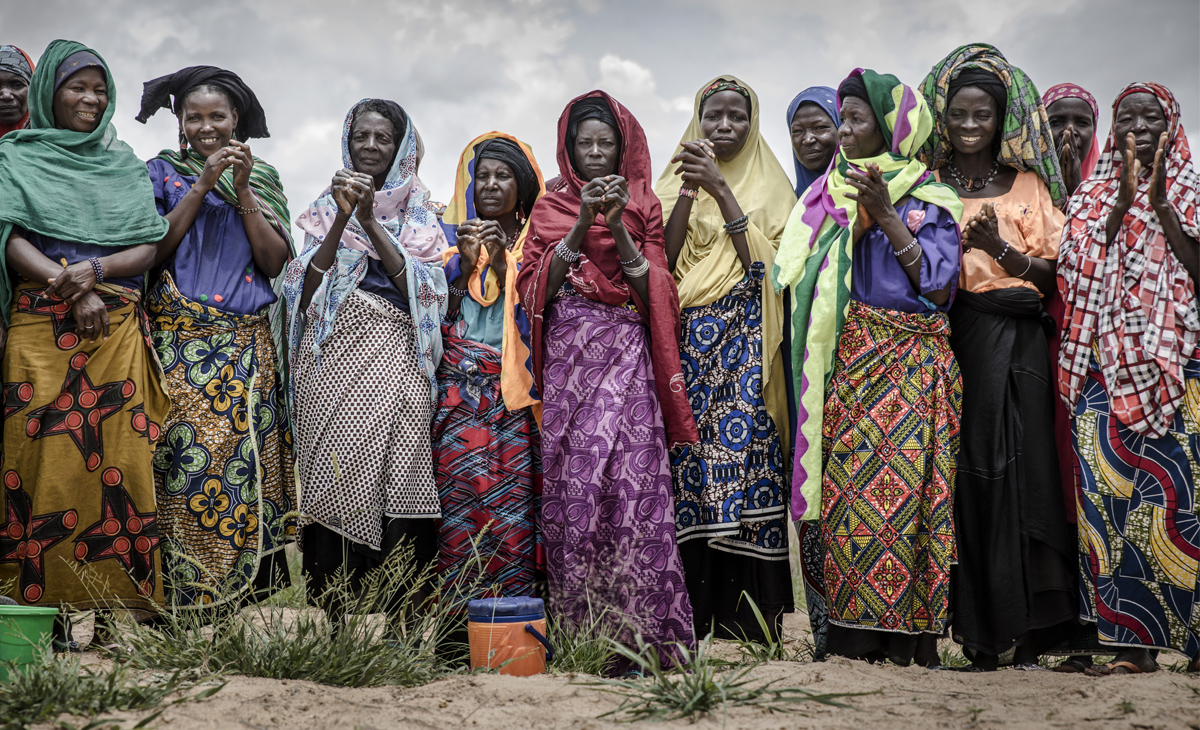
<point x="157" y="94"/>
<point x="592" y="107"/>
<point x="853" y="86"/>
<point x="510" y="154"/>
<point x="987" y="81"/>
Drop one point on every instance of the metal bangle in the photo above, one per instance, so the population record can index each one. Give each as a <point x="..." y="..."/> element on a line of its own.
<point x="1028" y="266"/>
<point x="395" y="273"/>
<point x="904" y="250"/>
<point x="640" y="270"/>
<point x="312" y="264"/>
<point x="740" y="223"/>
<point x="920" y="253"/>
<point x="565" y="253"/>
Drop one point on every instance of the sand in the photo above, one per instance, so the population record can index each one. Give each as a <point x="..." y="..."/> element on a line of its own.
<point x="907" y="697"/>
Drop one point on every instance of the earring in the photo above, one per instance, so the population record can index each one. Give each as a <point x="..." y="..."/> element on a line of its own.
<point x="183" y="144"/>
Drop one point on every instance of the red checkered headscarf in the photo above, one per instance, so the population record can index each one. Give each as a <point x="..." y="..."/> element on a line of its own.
<point x="1073" y="91"/>
<point x="1133" y="300"/>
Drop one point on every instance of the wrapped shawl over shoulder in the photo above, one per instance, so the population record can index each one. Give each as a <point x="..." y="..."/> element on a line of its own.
<point x="598" y="274"/>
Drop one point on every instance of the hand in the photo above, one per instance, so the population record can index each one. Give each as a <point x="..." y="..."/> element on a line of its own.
<point x="74" y="281"/>
<point x="616" y="197"/>
<point x="874" y="201"/>
<point x="1072" y="168"/>
<point x="364" y="185"/>
<point x="91" y="317"/>
<point x="698" y="168"/>
<point x="468" y="245"/>
<point x="243" y="163"/>
<point x="1158" y="178"/>
<point x="591" y="201"/>
<point x="496" y="242"/>
<point x="344" y="194"/>
<point x="213" y="167"/>
<point x="982" y="231"/>
<point x="1127" y="187"/>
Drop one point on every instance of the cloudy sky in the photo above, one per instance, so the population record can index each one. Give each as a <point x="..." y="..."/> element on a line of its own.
<point x="464" y="67"/>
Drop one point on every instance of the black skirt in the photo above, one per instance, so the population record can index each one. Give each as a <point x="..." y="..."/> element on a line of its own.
<point x="326" y="551"/>
<point x="715" y="582"/>
<point x="1016" y="557"/>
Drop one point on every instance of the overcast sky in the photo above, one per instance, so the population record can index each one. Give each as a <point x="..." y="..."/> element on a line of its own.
<point x="464" y="67"/>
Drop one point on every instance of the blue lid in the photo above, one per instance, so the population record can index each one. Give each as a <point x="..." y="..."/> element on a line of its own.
<point x="486" y="608"/>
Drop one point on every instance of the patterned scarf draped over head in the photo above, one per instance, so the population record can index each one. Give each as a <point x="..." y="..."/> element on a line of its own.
<point x="1026" y="142"/>
<point x="708" y="267"/>
<point x="1074" y="91"/>
<point x="598" y="274"/>
<point x="403" y="210"/>
<point x="15" y="61"/>
<point x="815" y="259"/>
<point x="825" y="98"/>
<point x="516" y="371"/>
<point x="1130" y="303"/>
<point x="86" y="187"/>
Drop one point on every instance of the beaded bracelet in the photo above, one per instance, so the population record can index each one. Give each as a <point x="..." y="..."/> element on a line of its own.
<point x="905" y="250"/>
<point x="96" y="267"/>
<point x="738" y="225"/>
<point x="248" y="211"/>
<point x="632" y="261"/>
<point x="565" y="253"/>
<point x="1002" y="253"/>
<point x="455" y="291"/>
<point x="687" y="192"/>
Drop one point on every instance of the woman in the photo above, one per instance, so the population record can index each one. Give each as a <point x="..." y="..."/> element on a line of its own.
<point x="1128" y="374"/>
<point x="365" y="299"/>
<point x="16" y="69"/>
<point x="731" y="491"/>
<point x="486" y="453"/>
<point x="872" y="253"/>
<point x="223" y="473"/>
<point x="813" y="122"/>
<point x="604" y="316"/>
<point x="84" y="396"/>
<point x="1013" y="586"/>
<point x="1073" y="114"/>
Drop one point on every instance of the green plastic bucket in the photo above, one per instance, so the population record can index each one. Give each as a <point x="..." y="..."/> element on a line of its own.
<point x="24" y="634"/>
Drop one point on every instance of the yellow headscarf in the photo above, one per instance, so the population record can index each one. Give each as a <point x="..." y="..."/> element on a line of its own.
<point x="708" y="266"/>
<point x="516" y="380"/>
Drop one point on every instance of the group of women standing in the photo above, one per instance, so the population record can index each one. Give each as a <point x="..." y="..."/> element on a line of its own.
<point x="615" y="390"/>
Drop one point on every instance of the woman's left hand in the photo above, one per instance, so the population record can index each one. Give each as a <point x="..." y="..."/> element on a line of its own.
<point x="1158" y="178"/>
<point x="615" y="198"/>
<point x="872" y="196"/>
<point x="698" y="168"/>
<point x="364" y="185"/>
<point x="492" y="235"/>
<point x="243" y="163"/>
<point x="74" y="281"/>
<point x="91" y="317"/>
<point x="982" y="231"/>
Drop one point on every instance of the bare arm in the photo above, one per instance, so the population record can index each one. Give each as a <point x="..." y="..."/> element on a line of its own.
<point x="269" y="248"/>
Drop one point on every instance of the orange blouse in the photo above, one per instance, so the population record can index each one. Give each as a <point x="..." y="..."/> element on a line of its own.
<point x="1028" y="221"/>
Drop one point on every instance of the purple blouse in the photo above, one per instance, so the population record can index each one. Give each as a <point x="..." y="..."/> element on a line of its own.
<point x="375" y="280"/>
<point x="878" y="278"/>
<point x="71" y="252"/>
<point x="214" y="259"/>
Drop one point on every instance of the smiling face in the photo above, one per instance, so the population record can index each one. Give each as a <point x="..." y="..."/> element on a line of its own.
<point x="859" y="134"/>
<point x="373" y="145"/>
<point x="1141" y="115"/>
<point x="1075" y="115"/>
<point x="971" y="120"/>
<point x="596" y="150"/>
<point x="208" y="121"/>
<point x="14" y="96"/>
<point x="725" y="121"/>
<point x="81" y="101"/>
<point x="495" y="189"/>
<point x="814" y="137"/>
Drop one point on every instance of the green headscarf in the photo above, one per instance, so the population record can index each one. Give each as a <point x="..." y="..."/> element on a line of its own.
<point x="84" y="188"/>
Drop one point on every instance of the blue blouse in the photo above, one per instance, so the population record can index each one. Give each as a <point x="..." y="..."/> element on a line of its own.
<point x="879" y="280"/>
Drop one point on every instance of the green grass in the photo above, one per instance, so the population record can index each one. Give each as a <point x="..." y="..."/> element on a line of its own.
<point x="582" y="649"/>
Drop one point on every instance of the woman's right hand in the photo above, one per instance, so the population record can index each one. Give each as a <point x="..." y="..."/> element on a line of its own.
<point x="344" y="194"/>
<point x="591" y="199"/>
<point x="468" y="245"/>
<point x="216" y="164"/>
<point x="1127" y="187"/>
<point x="91" y="317"/>
<point x="1072" y="168"/>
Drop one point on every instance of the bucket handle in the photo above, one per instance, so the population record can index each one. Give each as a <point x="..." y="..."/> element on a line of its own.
<point x="541" y="639"/>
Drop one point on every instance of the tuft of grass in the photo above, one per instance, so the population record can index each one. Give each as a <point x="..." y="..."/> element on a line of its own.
<point x="60" y="685"/>
<point x="582" y="648"/>
<point x="949" y="655"/>
<point x="1126" y="707"/>
<point x="699" y="686"/>
<point x="773" y="648"/>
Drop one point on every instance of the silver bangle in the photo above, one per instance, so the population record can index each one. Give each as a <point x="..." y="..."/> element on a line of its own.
<point x="920" y="253"/>
<point x="904" y="250"/>
<point x="634" y="272"/>
<point x="1028" y="266"/>
<point x="312" y="264"/>
<point x="565" y="253"/>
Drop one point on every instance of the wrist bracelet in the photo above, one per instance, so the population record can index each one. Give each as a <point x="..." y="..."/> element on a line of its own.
<point x="96" y="267"/>
<point x="455" y="291"/>
<point x="312" y="264"/>
<point x="395" y="273"/>
<point x="738" y="225"/>
<point x="904" y="250"/>
<point x="686" y="192"/>
<point x="565" y="253"/>
<point x="920" y="253"/>
<point x="1002" y="253"/>
<point x="633" y="272"/>
<point x="248" y="211"/>
<point x="633" y="260"/>
<point x="1028" y="266"/>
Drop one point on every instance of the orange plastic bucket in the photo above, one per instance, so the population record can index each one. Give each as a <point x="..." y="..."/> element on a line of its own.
<point x="509" y="635"/>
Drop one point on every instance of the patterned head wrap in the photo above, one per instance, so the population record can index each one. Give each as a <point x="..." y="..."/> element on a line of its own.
<point x="723" y="85"/>
<point x="1026" y="142"/>
<point x="14" y="61"/>
<point x="1072" y="91"/>
<point x="1131" y="302"/>
<point x="77" y="61"/>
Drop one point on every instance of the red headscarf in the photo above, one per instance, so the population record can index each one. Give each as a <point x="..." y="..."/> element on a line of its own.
<point x="598" y="275"/>
<point x="1073" y="91"/>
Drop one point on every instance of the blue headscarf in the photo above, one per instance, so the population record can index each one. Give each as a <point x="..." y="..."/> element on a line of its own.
<point x="826" y="98"/>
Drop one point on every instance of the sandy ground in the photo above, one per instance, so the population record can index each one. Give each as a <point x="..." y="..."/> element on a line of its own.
<point x="907" y="697"/>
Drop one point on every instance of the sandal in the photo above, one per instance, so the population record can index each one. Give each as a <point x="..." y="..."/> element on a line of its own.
<point x="1075" y="666"/>
<point x="1129" y="667"/>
